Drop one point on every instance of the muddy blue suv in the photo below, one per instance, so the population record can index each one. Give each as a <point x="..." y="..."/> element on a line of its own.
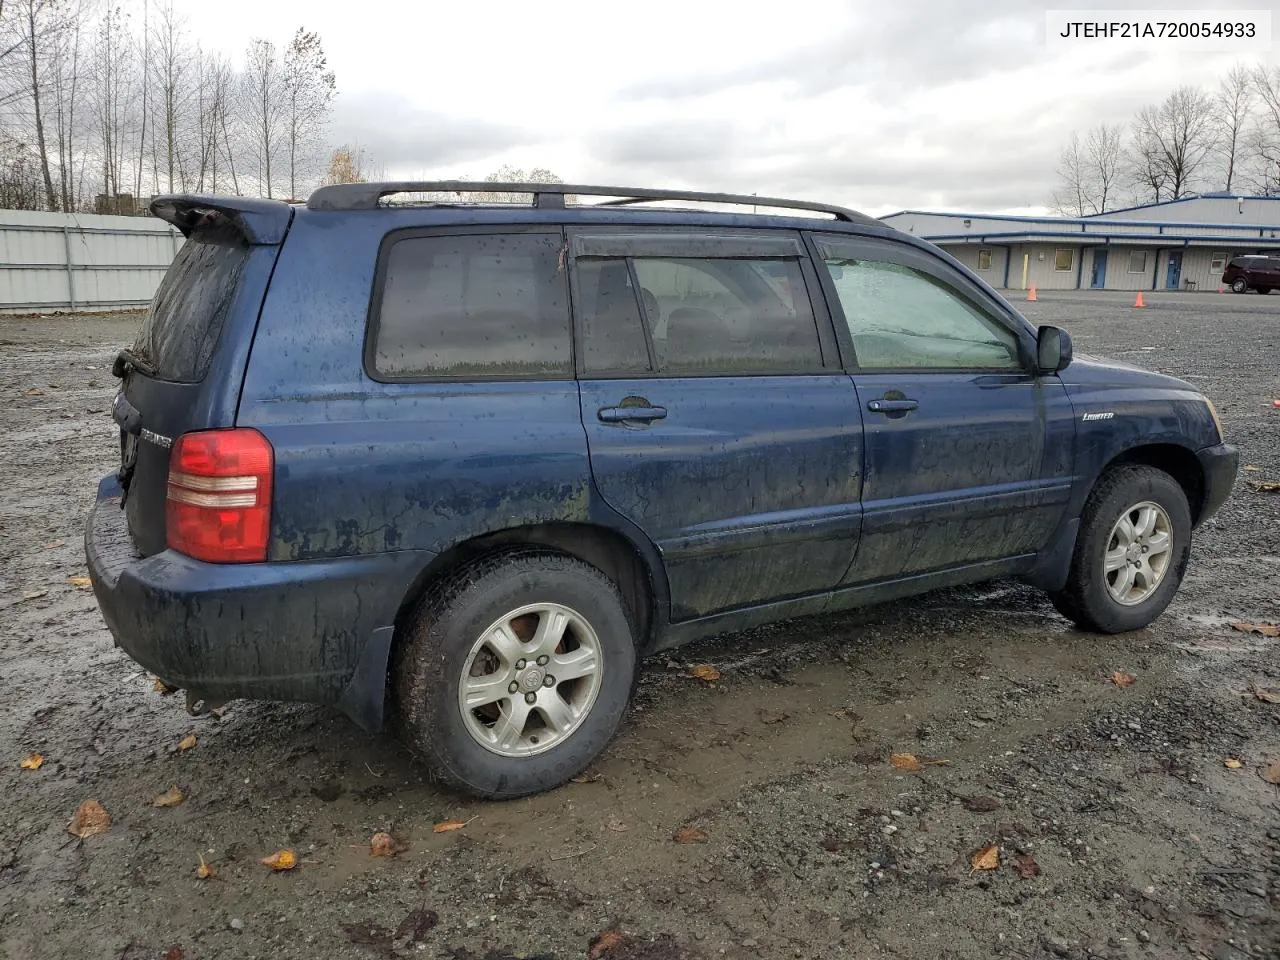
<point x="462" y="463"/>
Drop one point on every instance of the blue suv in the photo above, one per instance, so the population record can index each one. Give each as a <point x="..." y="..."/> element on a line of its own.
<point x="462" y="463"/>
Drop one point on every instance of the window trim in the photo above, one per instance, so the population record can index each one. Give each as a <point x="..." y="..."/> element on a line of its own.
<point x="1214" y="258"/>
<point x="1145" y="259"/>
<point x="915" y="258"/>
<point x="373" y="315"/>
<point x="1071" y="259"/>
<point x="723" y="245"/>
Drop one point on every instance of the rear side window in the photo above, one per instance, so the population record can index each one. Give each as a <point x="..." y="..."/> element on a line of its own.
<point x="702" y="316"/>
<point x="487" y="306"/>
<point x="181" y="329"/>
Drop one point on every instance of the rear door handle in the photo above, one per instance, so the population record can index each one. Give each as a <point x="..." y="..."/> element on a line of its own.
<point x="624" y="414"/>
<point x="892" y="406"/>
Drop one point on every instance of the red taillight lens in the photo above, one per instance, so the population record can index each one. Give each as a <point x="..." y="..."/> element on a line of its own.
<point x="218" y="506"/>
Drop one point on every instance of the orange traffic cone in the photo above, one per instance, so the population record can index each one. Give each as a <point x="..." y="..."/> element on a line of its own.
<point x="1221" y="288"/>
<point x="1137" y="302"/>
<point x="1031" y="294"/>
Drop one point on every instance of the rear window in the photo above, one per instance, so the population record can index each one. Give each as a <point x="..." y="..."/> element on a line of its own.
<point x="488" y="306"/>
<point x="181" y="329"/>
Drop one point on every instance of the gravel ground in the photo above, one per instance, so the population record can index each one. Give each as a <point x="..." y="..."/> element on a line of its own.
<point x="1142" y="842"/>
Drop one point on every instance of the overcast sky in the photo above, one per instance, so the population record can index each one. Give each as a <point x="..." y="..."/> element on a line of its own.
<point x="880" y="106"/>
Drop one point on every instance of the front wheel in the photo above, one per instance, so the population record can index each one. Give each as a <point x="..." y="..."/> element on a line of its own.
<point x="515" y="674"/>
<point x="1239" y="286"/>
<point x="1131" y="552"/>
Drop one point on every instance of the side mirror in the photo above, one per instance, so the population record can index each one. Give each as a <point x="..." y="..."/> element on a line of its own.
<point x="1053" y="349"/>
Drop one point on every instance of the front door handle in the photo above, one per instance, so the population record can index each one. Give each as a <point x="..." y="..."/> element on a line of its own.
<point x="625" y="414"/>
<point x="892" y="406"/>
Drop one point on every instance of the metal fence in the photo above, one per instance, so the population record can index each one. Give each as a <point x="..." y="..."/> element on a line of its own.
<point x="53" y="262"/>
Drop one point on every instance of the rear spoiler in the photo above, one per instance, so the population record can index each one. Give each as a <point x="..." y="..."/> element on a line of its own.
<point x="248" y="219"/>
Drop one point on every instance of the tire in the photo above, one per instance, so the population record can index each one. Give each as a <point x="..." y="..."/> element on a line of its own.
<point x="1088" y="597"/>
<point x="446" y="640"/>
<point x="1239" y="285"/>
<point x="1264" y="290"/>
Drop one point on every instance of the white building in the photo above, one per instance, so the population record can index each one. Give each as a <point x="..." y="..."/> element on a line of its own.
<point x="1176" y="245"/>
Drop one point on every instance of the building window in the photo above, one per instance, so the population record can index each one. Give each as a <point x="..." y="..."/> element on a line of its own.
<point x="984" y="259"/>
<point x="1219" y="262"/>
<point x="1137" y="261"/>
<point x="1062" y="260"/>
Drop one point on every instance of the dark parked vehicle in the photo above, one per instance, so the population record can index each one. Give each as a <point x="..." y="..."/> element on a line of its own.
<point x="463" y="464"/>
<point x="1252" y="272"/>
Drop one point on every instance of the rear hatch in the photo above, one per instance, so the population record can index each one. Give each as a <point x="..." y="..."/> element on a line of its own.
<point x="185" y="370"/>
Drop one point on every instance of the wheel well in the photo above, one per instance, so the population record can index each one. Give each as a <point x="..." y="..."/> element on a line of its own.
<point x="609" y="552"/>
<point x="1179" y="462"/>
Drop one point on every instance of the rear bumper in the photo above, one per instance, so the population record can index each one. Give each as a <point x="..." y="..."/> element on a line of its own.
<point x="273" y="631"/>
<point x="1220" y="465"/>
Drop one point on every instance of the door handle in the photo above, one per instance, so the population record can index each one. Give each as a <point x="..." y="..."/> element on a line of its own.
<point x="624" y="414"/>
<point x="892" y="406"/>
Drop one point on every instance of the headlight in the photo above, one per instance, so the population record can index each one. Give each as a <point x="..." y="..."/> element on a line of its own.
<point x="1213" y="412"/>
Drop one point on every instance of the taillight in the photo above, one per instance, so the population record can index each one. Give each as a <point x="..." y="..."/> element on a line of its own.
<point x="218" y="506"/>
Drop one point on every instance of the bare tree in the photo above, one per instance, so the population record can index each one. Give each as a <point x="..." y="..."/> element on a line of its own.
<point x="263" y="108"/>
<point x="171" y="68"/>
<point x="1232" y="104"/>
<point x="1172" y="142"/>
<point x="114" y="86"/>
<point x="66" y="90"/>
<point x="35" y="18"/>
<point x="309" y="89"/>
<point x="1264" y="139"/>
<point x="1089" y="172"/>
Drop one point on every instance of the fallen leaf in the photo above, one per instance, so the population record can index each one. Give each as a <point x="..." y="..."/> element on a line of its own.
<point x="447" y="826"/>
<point x="280" y="860"/>
<point x="90" y="818"/>
<point x="205" y="871"/>
<point x="33" y="392"/>
<point x="170" y="798"/>
<point x="988" y="858"/>
<point x="905" y="761"/>
<point x="1026" y="865"/>
<point x="84" y="583"/>
<point x="187" y="742"/>
<point x="1252" y="468"/>
<point x="162" y="688"/>
<point x="220" y="712"/>
<point x="33" y="595"/>
<point x="1272" y="773"/>
<point x="844" y="713"/>
<point x="602" y="943"/>
<point x="174" y="953"/>
<point x="981" y="804"/>
<point x="587" y="778"/>
<point x="1265" y="694"/>
<point x="705" y="672"/>
<point x="690" y="835"/>
<point x="1266" y="486"/>
<point x="772" y="716"/>
<point x="1266" y="629"/>
<point x="416" y="925"/>
<point x="32" y="762"/>
<point x="385" y="845"/>
<point x="1231" y="763"/>
<point x="1122" y="679"/>
<point x="617" y="826"/>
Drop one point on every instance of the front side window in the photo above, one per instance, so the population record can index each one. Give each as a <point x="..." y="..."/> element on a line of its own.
<point x="900" y="318"/>
<point x="479" y="305"/>
<point x="704" y="316"/>
<point x="1062" y="260"/>
<point x="1137" y="261"/>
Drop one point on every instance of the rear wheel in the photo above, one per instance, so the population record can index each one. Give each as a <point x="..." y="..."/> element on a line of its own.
<point x="515" y="674"/>
<point x="1239" y="285"/>
<point x="1131" y="553"/>
<point x="1264" y="290"/>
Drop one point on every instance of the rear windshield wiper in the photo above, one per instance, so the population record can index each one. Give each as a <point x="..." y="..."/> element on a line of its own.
<point x="127" y="360"/>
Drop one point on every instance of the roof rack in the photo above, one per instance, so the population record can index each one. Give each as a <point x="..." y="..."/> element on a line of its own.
<point x="367" y="196"/>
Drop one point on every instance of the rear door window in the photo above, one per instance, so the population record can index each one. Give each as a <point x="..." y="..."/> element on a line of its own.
<point x="181" y="330"/>
<point x="473" y="306"/>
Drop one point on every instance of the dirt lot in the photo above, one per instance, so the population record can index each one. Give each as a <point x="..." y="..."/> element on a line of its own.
<point x="1147" y="845"/>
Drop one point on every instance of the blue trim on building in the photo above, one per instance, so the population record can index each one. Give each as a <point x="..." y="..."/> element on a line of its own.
<point x="1102" y="239"/>
<point x="1085" y="222"/>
